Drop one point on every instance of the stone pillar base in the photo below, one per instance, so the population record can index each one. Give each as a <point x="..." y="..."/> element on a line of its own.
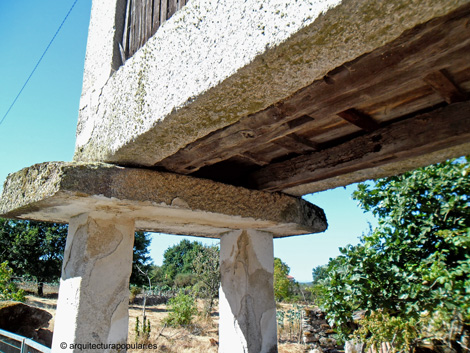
<point x="247" y="307"/>
<point x="93" y="304"/>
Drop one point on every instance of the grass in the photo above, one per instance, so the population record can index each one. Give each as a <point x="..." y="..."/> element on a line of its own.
<point x="200" y="337"/>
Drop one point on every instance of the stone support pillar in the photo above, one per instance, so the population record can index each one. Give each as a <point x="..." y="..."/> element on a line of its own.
<point x="247" y="307"/>
<point x="94" y="287"/>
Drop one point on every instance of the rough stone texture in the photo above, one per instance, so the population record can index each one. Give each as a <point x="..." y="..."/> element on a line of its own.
<point x="216" y="61"/>
<point x="160" y="202"/>
<point x="247" y="308"/>
<point x="317" y="332"/>
<point x="26" y="321"/>
<point x="102" y="54"/>
<point x="94" y="286"/>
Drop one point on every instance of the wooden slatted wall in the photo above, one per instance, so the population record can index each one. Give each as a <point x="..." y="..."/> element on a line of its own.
<point x="142" y="19"/>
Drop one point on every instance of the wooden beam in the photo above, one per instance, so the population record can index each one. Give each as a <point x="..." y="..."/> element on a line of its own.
<point x="426" y="133"/>
<point x="445" y="86"/>
<point x="296" y="143"/>
<point x="359" y="119"/>
<point x="371" y="77"/>
<point x="256" y="159"/>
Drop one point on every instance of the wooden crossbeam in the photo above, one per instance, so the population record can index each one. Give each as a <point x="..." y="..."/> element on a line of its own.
<point x="445" y="86"/>
<point x="296" y="143"/>
<point x="359" y="119"/>
<point x="426" y="133"/>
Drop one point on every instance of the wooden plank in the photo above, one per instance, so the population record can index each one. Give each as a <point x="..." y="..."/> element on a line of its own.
<point x="172" y="6"/>
<point x="141" y="24"/>
<point x="148" y="19"/>
<point x="256" y="159"/>
<point x="376" y="76"/>
<point x="155" y="16"/>
<point x="163" y="11"/>
<point x="296" y="143"/>
<point x="132" y="29"/>
<point x="359" y="119"/>
<point x="125" y="33"/>
<point x="445" y="86"/>
<point x="180" y="5"/>
<point x="443" y="128"/>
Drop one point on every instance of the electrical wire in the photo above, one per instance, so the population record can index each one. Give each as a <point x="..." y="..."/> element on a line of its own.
<point x="37" y="64"/>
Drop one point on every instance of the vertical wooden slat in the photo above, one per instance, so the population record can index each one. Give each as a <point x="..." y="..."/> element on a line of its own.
<point x="142" y="20"/>
<point x="148" y="19"/>
<point x="125" y="33"/>
<point x="156" y="16"/>
<point x="163" y="11"/>
<point x="132" y="30"/>
<point x="171" y="7"/>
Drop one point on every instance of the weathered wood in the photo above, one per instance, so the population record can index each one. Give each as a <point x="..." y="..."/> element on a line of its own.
<point x="148" y="19"/>
<point x="125" y="34"/>
<point x="296" y="143"/>
<point x="444" y="85"/>
<point x="360" y="119"/>
<point x="426" y="133"/>
<point x="383" y="75"/>
<point x="259" y="160"/>
<point x="143" y="18"/>
<point x="163" y="11"/>
<point x="155" y="16"/>
<point x="172" y="6"/>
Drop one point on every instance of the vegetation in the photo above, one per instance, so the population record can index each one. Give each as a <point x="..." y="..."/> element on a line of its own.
<point x="142" y="331"/>
<point x="182" y="309"/>
<point x="177" y="268"/>
<point x="141" y="261"/>
<point x="8" y="289"/>
<point x="207" y="273"/>
<point x="289" y="322"/>
<point x="411" y="275"/>
<point x="35" y="250"/>
<point x="282" y="287"/>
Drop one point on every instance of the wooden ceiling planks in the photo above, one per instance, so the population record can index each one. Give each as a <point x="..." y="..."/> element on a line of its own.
<point x="424" y="133"/>
<point x="393" y="90"/>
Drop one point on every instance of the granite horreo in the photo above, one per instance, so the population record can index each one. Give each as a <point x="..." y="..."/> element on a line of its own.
<point x="212" y="117"/>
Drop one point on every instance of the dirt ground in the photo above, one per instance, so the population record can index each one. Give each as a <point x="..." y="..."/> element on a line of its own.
<point x="201" y="337"/>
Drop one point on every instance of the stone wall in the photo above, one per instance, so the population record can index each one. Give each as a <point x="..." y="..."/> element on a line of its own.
<point x="317" y="333"/>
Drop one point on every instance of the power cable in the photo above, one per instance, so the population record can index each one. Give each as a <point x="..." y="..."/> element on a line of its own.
<point x="39" y="61"/>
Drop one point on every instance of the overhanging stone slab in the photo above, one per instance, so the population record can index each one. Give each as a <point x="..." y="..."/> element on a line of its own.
<point x="217" y="61"/>
<point x="159" y="202"/>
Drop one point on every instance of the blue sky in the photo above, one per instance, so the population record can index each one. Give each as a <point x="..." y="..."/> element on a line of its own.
<point x="41" y="125"/>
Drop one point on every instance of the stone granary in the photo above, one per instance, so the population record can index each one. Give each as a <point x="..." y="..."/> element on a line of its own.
<point x="212" y="118"/>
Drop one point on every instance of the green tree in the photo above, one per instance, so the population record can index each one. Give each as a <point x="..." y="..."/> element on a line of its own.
<point x="178" y="260"/>
<point x="33" y="249"/>
<point x="8" y="289"/>
<point x="282" y="284"/>
<point x="319" y="273"/>
<point x="413" y="271"/>
<point x="207" y="271"/>
<point x="141" y="259"/>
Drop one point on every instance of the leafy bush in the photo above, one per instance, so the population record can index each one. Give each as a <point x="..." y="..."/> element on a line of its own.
<point x="182" y="309"/>
<point x="411" y="273"/>
<point x="8" y="289"/>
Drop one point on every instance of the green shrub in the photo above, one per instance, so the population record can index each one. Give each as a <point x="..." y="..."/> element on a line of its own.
<point x="8" y="289"/>
<point x="134" y="290"/>
<point x="182" y="309"/>
<point x="142" y="332"/>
